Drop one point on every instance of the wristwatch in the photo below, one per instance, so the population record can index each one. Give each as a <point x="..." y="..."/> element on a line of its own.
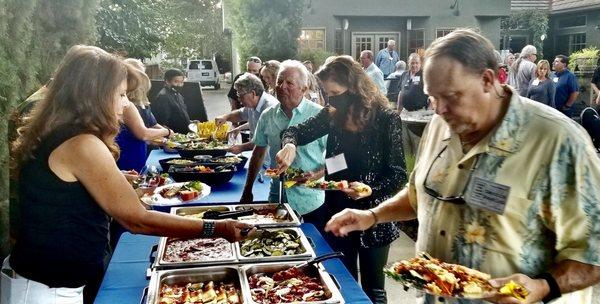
<point x="554" y="292"/>
<point x="208" y="228"/>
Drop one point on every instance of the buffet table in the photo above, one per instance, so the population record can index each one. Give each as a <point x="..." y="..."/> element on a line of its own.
<point x="125" y="278"/>
<point x="228" y="192"/>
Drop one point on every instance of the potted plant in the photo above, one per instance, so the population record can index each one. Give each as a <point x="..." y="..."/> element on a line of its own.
<point x="584" y="59"/>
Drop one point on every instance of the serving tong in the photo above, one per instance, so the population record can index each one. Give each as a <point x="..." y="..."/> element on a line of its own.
<point x="319" y="259"/>
<point x="219" y="215"/>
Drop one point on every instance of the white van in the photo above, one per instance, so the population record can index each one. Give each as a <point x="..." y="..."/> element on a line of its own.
<point x="204" y="71"/>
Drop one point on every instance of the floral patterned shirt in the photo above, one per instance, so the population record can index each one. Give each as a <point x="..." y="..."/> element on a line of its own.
<point x="551" y="213"/>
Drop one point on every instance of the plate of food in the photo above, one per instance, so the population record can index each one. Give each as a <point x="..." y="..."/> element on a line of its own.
<point x="166" y="163"/>
<point x="361" y="188"/>
<point x="193" y="148"/>
<point x="177" y="193"/>
<point x="438" y="278"/>
<point x="209" y="174"/>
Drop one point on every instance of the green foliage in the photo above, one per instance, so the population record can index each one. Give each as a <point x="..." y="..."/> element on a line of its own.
<point x="587" y="57"/>
<point x="265" y="28"/>
<point x="535" y="21"/>
<point x="197" y="30"/>
<point x="317" y="56"/>
<point x="181" y="28"/>
<point x="34" y="36"/>
<point x="134" y="27"/>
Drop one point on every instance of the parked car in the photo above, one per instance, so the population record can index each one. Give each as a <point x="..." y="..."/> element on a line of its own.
<point x="204" y="71"/>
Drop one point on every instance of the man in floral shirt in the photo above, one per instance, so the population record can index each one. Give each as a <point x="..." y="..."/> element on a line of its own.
<point x="501" y="184"/>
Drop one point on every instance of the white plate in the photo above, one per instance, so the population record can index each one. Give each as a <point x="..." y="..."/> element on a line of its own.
<point x="157" y="200"/>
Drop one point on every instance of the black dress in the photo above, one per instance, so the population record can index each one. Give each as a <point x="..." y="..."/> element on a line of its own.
<point x="374" y="156"/>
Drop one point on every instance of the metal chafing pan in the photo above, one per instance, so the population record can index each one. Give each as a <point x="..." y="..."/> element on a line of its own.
<point x="160" y="262"/>
<point x="184" y="276"/>
<point x="308" y="254"/>
<point x="291" y="219"/>
<point x="330" y="287"/>
<point x="183" y="211"/>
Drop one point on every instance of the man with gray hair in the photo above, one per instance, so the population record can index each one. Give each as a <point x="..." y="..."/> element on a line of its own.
<point x="251" y="93"/>
<point x="386" y="59"/>
<point x="524" y="69"/>
<point x="366" y="59"/>
<point x="293" y="109"/>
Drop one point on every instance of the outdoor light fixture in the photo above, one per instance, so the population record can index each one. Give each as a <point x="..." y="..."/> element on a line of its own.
<point x="345" y="24"/>
<point x="454" y="6"/>
<point x="409" y="24"/>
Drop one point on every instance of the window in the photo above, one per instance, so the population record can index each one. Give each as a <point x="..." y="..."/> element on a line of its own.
<point x="339" y="42"/>
<point x="577" y="42"/>
<point x="572" y="21"/>
<point x="415" y="41"/>
<point x="567" y="44"/>
<point x="443" y="32"/>
<point x="311" y="39"/>
<point x="206" y="65"/>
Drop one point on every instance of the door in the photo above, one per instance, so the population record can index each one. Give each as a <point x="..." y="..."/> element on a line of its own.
<point x="371" y="41"/>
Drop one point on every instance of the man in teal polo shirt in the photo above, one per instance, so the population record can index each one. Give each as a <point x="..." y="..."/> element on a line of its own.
<point x="293" y="109"/>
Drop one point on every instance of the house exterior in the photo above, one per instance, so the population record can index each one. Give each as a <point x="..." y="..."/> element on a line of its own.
<point x="573" y="25"/>
<point x="350" y="26"/>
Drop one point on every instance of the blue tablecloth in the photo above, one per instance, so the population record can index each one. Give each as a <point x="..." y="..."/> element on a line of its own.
<point x="225" y="193"/>
<point x="125" y="278"/>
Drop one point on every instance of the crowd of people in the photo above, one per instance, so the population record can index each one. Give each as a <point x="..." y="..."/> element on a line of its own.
<point x="504" y="181"/>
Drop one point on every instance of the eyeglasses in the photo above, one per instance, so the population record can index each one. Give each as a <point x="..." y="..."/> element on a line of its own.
<point x="255" y="60"/>
<point x="242" y="93"/>
<point x="458" y="199"/>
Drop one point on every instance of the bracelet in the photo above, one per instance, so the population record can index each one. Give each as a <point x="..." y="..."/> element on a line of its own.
<point x="168" y="134"/>
<point x="208" y="229"/>
<point x="374" y="217"/>
<point x="554" y="292"/>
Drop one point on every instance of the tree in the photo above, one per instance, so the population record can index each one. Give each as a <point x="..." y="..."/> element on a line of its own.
<point x="197" y="30"/>
<point x="34" y="36"/>
<point x="534" y="21"/>
<point x="135" y="27"/>
<point x="267" y="29"/>
<point x="179" y="28"/>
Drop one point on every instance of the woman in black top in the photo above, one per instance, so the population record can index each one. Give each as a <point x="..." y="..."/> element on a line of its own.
<point x="69" y="186"/>
<point x="368" y="134"/>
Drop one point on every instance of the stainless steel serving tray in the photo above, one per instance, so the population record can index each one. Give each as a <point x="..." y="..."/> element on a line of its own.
<point x="160" y="262"/>
<point x="178" y="276"/>
<point x="307" y="255"/>
<point x="237" y="258"/>
<point x="291" y="220"/>
<point x="326" y="280"/>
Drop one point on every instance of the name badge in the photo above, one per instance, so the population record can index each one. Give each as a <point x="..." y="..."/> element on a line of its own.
<point x="390" y="58"/>
<point x="487" y="195"/>
<point x="336" y="163"/>
<point x="555" y="79"/>
<point x="535" y="82"/>
<point x="416" y="79"/>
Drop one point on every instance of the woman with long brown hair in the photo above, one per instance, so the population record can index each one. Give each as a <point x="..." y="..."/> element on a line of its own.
<point x="366" y="137"/>
<point x="69" y="186"/>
